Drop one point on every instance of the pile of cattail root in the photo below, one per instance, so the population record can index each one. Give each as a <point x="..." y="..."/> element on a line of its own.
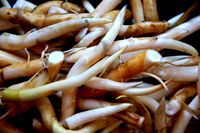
<point x="76" y="68"/>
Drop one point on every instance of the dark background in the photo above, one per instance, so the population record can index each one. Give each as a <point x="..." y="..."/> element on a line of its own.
<point x="166" y="9"/>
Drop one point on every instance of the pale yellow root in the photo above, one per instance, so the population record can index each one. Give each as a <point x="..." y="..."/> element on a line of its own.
<point x="50" y="121"/>
<point x="183" y="30"/>
<point x="104" y="7"/>
<point x="17" y="42"/>
<point x="55" y="61"/>
<point x="88" y="60"/>
<point x="81" y="34"/>
<point x="18" y="16"/>
<point x="143" y="91"/>
<point x="25" y="69"/>
<point x="175" y="73"/>
<point x="39" y="20"/>
<point x="46" y="111"/>
<point x="180" y="97"/>
<point x="127" y="70"/>
<point x="87" y="104"/>
<point x="134" y="66"/>
<point x="149" y="102"/>
<point x="81" y="118"/>
<point x="96" y="32"/>
<point x="68" y="103"/>
<point x="45" y="90"/>
<point x="134" y="44"/>
<point x="38" y="80"/>
<point x="90" y="128"/>
<point x="137" y="10"/>
<point x="184" y="117"/>
<point x="69" y="7"/>
<point x="88" y="6"/>
<point x="150" y="10"/>
<point x="144" y="28"/>
<point x="8" y="59"/>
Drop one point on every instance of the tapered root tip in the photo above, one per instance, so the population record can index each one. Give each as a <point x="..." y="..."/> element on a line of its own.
<point x="123" y="11"/>
<point x="140" y="122"/>
<point x="126" y="105"/>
